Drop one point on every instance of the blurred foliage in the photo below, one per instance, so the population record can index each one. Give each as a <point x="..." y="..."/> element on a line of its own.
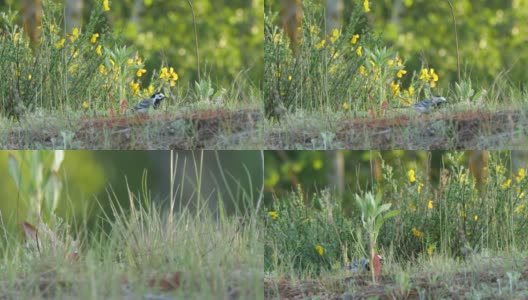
<point x="315" y="170"/>
<point x="492" y="36"/>
<point x="89" y="179"/>
<point x="229" y="35"/>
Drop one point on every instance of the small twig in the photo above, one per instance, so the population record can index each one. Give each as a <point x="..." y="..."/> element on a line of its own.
<point x="456" y="38"/>
<point x="195" y="40"/>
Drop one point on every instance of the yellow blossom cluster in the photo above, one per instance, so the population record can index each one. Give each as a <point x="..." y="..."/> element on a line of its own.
<point x="168" y="75"/>
<point x="429" y="75"/>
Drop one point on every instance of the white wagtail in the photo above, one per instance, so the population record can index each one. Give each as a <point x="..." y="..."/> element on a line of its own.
<point x="154" y="100"/>
<point x="361" y="265"/>
<point x="427" y="105"/>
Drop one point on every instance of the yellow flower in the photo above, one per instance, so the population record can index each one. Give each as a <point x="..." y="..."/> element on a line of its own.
<point x="430" y="204"/>
<point x="431" y="249"/>
<point x="85" y="105"/>
<point x="429" y="76"/>
<point x="333" y="69"/>
<point x="150" y="89"/>
<point x="362" y="70"/>
<point x="98" y="50"/>
<point x="73" y="68"/>
<point x="401" y="73"/>
<point x="420" y="186"/>
<point x="521" y="174"/>
<point x="317" y="164"/>
<point x="319" y="250"/>
<point x="411" y="90"/>
<point x="106" y="6"/>
<point x="354" y="39"/>
<point x="345" y="106"/>
<point x="410" y="175"/>
<point x="500" y="169"/>
<point x="75" y="52"/>
<point x="102" y="70"/>
<point x="140" y="72"/>
<point x="94" y="37"/>
<point x="29" y="77"/>
<point x="60" y="44"/>
<point x="289" y="77"/>
<point x="424" y="75"/>
<point x="520" y="193"/>
<point x="366" y="5"/>
<point x="359" y="51"/>
<point x="519" y="208"/>
<point x="335" y="36"/>
<point x="134" y="87"/>
<point x="168" y="75"/>
<point x="321" y="44"/>
<point x="506" y="184"/>
<point x="273" y="214"/>
<point x="74" y="35"/>
<point x="390" y="62"/>
<point x="395" y="87"/>
<point x="52" y="28"/>
<point x="139" y="61"/>
<point x="475" y="217"/>
<point x="399" y="61"/>
<point x="417" y="233"/>
<point x="276" y="38"/>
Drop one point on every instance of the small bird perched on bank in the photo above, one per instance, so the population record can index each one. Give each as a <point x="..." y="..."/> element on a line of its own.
<point x="363" y="265"/>
<point x="427" y="105"/>
<point x="144" y="106"/>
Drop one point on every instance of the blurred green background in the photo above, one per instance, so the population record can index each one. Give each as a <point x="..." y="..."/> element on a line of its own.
<point x="88" y="176"/>
<point x="350" y="172"/>
<point x="229" y="34"/>
<point x="492" y="35"/>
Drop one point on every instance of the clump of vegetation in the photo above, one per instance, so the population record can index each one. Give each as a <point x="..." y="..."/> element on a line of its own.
<point x="86" y="69"/>
<point x="455" y="219"/>
<point x="348" y="69"/>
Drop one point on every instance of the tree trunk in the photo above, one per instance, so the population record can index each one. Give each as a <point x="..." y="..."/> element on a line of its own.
<point x="290" y="19"/>
<point x="32" y="20"/>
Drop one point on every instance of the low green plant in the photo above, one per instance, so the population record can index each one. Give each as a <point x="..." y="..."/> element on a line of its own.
<point x="373" y="215"/>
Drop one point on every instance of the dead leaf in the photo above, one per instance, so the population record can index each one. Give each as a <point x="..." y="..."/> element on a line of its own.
<point x="168" y="282"/>
<point x="30" y="232"/>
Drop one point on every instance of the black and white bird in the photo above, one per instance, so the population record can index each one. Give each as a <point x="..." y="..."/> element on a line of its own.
<point x="427" y="105"/>
<point x="144" y="106"/>
<point x="363" y="264"/>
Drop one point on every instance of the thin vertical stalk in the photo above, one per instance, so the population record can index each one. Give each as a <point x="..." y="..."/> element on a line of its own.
<point x="195" y="40"/>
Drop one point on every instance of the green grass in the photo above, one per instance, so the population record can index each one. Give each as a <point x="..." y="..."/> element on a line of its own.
<point x="141" y="249"/>
<point x="226" y="264"/>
